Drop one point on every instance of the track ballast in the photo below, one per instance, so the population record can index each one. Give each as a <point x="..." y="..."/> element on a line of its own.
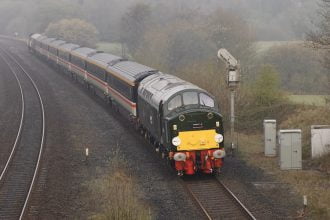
<point x="19" y="175"/>
<point x="214" y="199"/>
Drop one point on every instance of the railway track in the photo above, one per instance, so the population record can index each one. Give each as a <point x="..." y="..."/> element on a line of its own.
<point x="214" y="199"/>
<point x="19" y="174"/>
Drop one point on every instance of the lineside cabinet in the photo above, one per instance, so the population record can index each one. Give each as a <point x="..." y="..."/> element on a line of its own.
<point x="320" y="140"/>
<point x="290" y="149"/>
<point x="270" y="137"/>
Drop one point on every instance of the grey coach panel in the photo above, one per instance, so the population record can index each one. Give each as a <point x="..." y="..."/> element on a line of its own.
<point x="290" y="149"/>
<point x="270" y="137"/>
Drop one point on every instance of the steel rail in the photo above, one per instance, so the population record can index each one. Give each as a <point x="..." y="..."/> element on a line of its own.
<point x="237" y="200"/>
<point x="42" y="136"/>
<point x="4" y="170"/>
<point x="200" y="204"/>
<point x="229" y="193"/>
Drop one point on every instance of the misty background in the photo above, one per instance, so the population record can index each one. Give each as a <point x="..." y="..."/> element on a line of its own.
<point x="271" y="20"/>
<point x="269" y="37"/>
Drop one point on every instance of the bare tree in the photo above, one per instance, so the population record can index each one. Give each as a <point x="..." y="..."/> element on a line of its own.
<point x="320" y="38"/>
<point x="134" y="25"/>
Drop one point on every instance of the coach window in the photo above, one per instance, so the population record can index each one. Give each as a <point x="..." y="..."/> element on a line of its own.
<point x="109" y="79"/>
<point x="174" y="103"/>
<point x="206" y="100"/>
<point x="96" y="71"/>
<point x="78" y="61"/>
<point x="190" y="98"/>
<point x="123" y="88"/>
<point x="52" y="50"/>
<point x="61" y="54"/>
<point x="65" y="56"/>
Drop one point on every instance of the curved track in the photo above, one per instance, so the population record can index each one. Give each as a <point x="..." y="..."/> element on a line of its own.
<point x="19" y="175"/>
<point x="214" y="199"/>
<point x="5" y="149"/>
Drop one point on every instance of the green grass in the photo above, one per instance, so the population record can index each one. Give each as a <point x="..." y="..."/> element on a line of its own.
<point x="264" y="46"/>
<point x="317" y="100"/>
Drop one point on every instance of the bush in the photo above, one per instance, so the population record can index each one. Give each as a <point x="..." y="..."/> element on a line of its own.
<point x="116" y="196"/>
<point x="74" y="30"/>
<point x="266" y="90"/>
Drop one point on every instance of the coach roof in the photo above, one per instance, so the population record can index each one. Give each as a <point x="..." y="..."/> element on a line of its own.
<point x="83" y="52"/>
<point x="68" y="47"/>
<point x="47" y="40"/>
<point x="131" y="70"/>
<point x="57" y="43"/>
<point x="104" y="59"/>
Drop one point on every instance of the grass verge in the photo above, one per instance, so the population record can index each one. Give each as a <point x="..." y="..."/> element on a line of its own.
<point x="116" y="194"/>
<point x="310" y="182"/>
<point x="316" y="100"/>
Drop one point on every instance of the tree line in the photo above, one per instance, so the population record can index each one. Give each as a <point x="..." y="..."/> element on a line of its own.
<point x="182" y="39"/>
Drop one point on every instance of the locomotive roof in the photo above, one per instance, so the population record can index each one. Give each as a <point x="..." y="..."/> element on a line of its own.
<point x="36" y="36"/>
<point x="160" y="87"/>
<point x="40" y="38"/>
<point x="68" y="47"/>
<point x="83" y="52"/>
<point x="130" y="70"/>
<point x="103" y="59"/>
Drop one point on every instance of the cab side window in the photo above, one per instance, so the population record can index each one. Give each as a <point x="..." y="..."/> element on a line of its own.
<point x="174" y="103"/>
<point x="206" y="100"/>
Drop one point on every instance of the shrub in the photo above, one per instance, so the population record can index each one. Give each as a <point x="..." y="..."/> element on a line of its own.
<point x="74" y="30"/>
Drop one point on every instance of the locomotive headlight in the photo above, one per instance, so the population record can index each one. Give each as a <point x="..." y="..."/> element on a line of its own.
<point x="176" y="141"/>
<point x="182" y="117"/>
<point x="219" y="154"/>
<point x="175" y="127"/>
<point x="180" y="156"/>
<point x="210" y="115"/>
<point x="217" y="123"/>
<point x="218" y="138"/>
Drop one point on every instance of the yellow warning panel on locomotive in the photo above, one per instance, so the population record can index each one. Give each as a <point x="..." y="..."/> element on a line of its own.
<point x="197" y="140"/>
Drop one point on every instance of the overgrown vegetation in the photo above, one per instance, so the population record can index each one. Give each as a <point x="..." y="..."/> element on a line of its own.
<point x="116" y="195"/>
<point x="74" y="30"/>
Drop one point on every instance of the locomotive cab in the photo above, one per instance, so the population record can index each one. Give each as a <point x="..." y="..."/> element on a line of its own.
<point x="186" y="120"/>
<point x="195" y="132"/>
<point x="193" y="115"/>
